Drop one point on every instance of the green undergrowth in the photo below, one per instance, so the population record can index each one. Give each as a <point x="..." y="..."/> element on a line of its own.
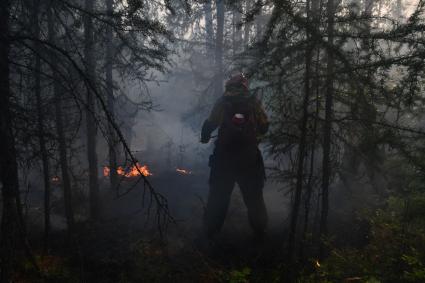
<point x="395" y="252"/>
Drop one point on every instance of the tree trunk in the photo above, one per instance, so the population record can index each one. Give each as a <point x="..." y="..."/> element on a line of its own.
<point x="259" y="25"/>
<point x="110" y="99"/>
<point x="63" y="158"/>
<point x="300" y="160"/>
<point x="314" y="7"/>
<point x="327" y="130"/>
<point x="398" y="11"/>
<point x="219" y="77"/>
<point x="40" y="123"/>
<point x="209" y="36"/>
<point x="247" y="29"/>
<point x="8" y="164"/>
<point x="91" y="112"/>
<point x="237" y="33"/>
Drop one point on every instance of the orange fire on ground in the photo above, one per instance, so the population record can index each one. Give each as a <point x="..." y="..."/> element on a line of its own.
<point x="55" y="179"/>
<point x="133" y="171"/>
<point x="106" y="171"/>
<point x="183" y="171"/>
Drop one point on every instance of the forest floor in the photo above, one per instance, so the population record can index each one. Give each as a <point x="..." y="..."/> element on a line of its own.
<point x="126" y="248"/>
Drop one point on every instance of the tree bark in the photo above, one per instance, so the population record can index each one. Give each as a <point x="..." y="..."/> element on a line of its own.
<point x="398" y="10"/>
<point x="63" y="158"/>
<point x="209" y="32"/>
<point x="259" y="23"/>
<point x="91" y="112"/>
<point x="327" y="130"/>
<point x="8" y="164"/>
<point x="219" y="77"/>
<point x="110" y="99"/>
<point x="40" y="123"/>
<point x="247" y="29"/>
<point x="237" y="33"/>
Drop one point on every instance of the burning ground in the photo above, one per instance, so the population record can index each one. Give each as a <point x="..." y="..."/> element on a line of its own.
<point x="126" y="245"/>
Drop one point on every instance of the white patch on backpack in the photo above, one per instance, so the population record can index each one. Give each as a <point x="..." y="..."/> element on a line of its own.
<point x="238" y="119"/>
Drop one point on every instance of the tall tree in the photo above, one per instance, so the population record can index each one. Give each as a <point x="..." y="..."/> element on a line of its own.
<point x="259" y="23"/>
<point x="236" y="32"/>
<point x="40" y="120"/>
<point x="219" y="76"/>
<point x="8" y="165"/>
<point x="398" y="10"/>
<point x="110" y="97"/>
<point x="209" y="31"/>
<point x="59" y="123"/>
<point x="247" y="27"/>
<point x="313" y="19"/>
<point x="89" y="61"/>
<point x="302" y="150"/>
<point x="327" y="127"/>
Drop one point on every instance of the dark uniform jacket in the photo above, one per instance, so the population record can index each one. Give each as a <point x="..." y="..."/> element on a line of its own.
<point x="216" y="117"/>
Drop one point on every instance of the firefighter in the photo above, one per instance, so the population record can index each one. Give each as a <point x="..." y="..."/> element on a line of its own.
<point x="236" y="158"/>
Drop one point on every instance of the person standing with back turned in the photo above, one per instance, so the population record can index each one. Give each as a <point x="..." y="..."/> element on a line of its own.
<point x="236" y="158"/>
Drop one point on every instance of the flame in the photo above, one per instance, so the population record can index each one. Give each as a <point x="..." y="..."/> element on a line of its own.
<point x="133" y="171"/>
<point x="183" y="171"/>
<point x="106" y="171"/>
<point x="317" y="264"/>
<point x="136" y="169"/>
<point x="120" y="171"/>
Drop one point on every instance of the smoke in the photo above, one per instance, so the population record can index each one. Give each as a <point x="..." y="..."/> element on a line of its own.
<point x="167" y="138"/>
<point x="164" y="134"/>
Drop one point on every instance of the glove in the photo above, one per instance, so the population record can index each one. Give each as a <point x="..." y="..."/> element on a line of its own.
<point x="207" y="129"/>
<point x="205" y="139"/>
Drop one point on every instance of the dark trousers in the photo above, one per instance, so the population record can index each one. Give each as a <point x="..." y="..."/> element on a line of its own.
<point x="247" y="170"/>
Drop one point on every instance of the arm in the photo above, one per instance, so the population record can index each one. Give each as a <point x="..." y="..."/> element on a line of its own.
<point x="213" y="121"/>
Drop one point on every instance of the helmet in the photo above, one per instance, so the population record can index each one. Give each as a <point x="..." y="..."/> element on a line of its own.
<point x="238" y="80"/>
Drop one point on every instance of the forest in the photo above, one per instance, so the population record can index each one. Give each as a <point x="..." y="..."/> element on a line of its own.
<point x="105" y="164"/>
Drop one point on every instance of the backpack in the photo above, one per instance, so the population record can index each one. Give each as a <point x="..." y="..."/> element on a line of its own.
<point x="238" y="128"/>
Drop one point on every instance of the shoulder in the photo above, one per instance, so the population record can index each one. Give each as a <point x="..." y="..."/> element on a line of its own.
<point x="220" y="105"/>
<point x="253" y="100"/>
<point x="220" y="102"/>
<point x="238" y="99"/>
